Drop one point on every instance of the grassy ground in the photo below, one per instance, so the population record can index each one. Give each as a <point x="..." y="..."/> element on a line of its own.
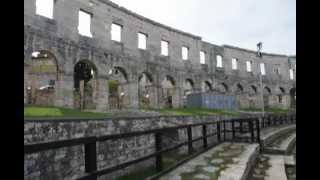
<point x="270" y="110"/>
<point x="194" y="111"/>
<point x="59" y="112"/>
<point x="43" y="112"/>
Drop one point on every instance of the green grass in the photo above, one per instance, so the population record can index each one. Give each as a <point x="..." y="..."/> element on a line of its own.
<point x="194" y="112"/>
<point x="45" y="112"/>
<point x="270" y="110"/>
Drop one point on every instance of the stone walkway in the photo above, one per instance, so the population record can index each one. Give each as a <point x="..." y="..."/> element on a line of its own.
<point x="269" y="167"/>
<point x="274" y="167"/>
<point x="227" y="161"/>
<point x="270" y="134"/>
<point x="282" y="144"/>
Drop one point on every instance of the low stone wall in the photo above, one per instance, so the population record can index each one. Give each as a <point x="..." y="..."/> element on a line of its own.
<point x="68" y="163"/>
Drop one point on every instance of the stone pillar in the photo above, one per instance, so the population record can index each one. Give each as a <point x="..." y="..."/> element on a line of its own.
<point x="64" y="91"/>
<point x="286" y="101"/>
<point x="177" y="97"/>
<point x="153" y="97"/>
<point x="102" y="99"/>
<point x="133" y="94"/>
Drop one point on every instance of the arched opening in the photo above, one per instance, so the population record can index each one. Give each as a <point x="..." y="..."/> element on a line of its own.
<point x="280" y="95"/>
<point x="266" y="95"/>
<point x="168" y="91"/>
<point x="41" y="76"/>
<point x="253" y="90"/>
<point x="206" y="86"/>
<point x="252" y="96"/>
<point x="118" y="89"/>
<point x="188" y="86"/>
<point x="146" y="90"/>
<point x="293" y="97"/>
<point x="222" y="88"/>
<point x="239" y="89"/>
<point x="238" y="92"/>
<point x="85" y="84"/>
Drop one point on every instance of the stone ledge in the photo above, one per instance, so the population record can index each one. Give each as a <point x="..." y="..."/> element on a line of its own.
<point x="267" y="138"/>
<point x="284" y="147"/>
<point x="237" y="158"/>
<point x="277" y="170"/>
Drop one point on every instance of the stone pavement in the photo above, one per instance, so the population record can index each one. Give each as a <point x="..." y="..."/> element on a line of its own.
<point x="270" y="134"/>
<point x="277" y="161"/>
<point x="281" y="145"/>
<point x="227" y="161"/>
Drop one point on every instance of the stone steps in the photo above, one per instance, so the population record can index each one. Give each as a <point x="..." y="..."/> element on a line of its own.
<point x="277" y="170"/>
<point x="269" y="135"/>
<point x="223" y="162"/>
<point x="273" y="163"/>
<point x="282" y="145"/>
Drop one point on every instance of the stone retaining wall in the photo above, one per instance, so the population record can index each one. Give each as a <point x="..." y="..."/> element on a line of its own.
<point x="68" y="163"/>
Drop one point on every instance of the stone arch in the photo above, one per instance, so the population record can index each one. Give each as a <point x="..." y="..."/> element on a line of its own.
<point x="59" y="56"/>
<point x="266" y="96"/>
<point x="119" y="72"/>
<point x="253" y="90"/>
<point x="267" y="90"/>
<point x="85" y="84"/>
<point x="118" y="83"/>
<point x="168" y="91"/>
<point x="292" y="97"/>
<point x="146" y="90"/>
<point x="42" y="73"/>
<point x="188" y="88"/>
<point x="253" y="96"/>
<point x="206" y="86"/>
<point x="222" y="88"/>
<point x="238" y="89"/>
<point x="282" y="90"/>
<point x="281" y="95"/>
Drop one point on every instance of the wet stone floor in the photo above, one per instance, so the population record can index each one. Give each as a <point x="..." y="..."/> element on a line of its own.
<point x="209" y="165"/>
<point x="277" y="143"/>
<point x="259" y="170"/>
<point x="291" y="171"/>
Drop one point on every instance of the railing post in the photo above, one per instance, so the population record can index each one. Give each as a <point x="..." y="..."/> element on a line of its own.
<point x="251" y="130"/>
<point x="233" y="130"/>
<point x="190" y="148"/>
<point x="279" y="120"/>
<point x="269" y="121"/>
<point x="224" y="130"/>
<point x="258" y="130"/>
<point x="90" y="158"/>
<point x="241" y="126"/>
<point x="158" y="138"/>
<point x="204" y="134"/>
<point x="218" y="131"/>
<point x="273" y="120"/>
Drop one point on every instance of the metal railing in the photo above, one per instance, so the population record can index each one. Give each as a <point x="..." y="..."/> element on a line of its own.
<point x="225" y="130"/>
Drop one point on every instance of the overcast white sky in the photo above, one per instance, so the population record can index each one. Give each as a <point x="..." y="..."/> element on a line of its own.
<point x="241" y="23"/>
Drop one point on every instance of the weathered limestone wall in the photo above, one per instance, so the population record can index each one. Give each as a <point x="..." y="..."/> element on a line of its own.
<point x="68" y="163"/>
<point x="60" y="37"/>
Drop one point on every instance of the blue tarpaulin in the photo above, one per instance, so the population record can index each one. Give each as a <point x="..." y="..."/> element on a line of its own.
<point x="212" y="101"/>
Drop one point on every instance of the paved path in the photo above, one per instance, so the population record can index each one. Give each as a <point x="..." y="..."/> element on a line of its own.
<point x="282" y="145"/>
<point x="277" y="170"/>
<point x="227" y="161"/>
